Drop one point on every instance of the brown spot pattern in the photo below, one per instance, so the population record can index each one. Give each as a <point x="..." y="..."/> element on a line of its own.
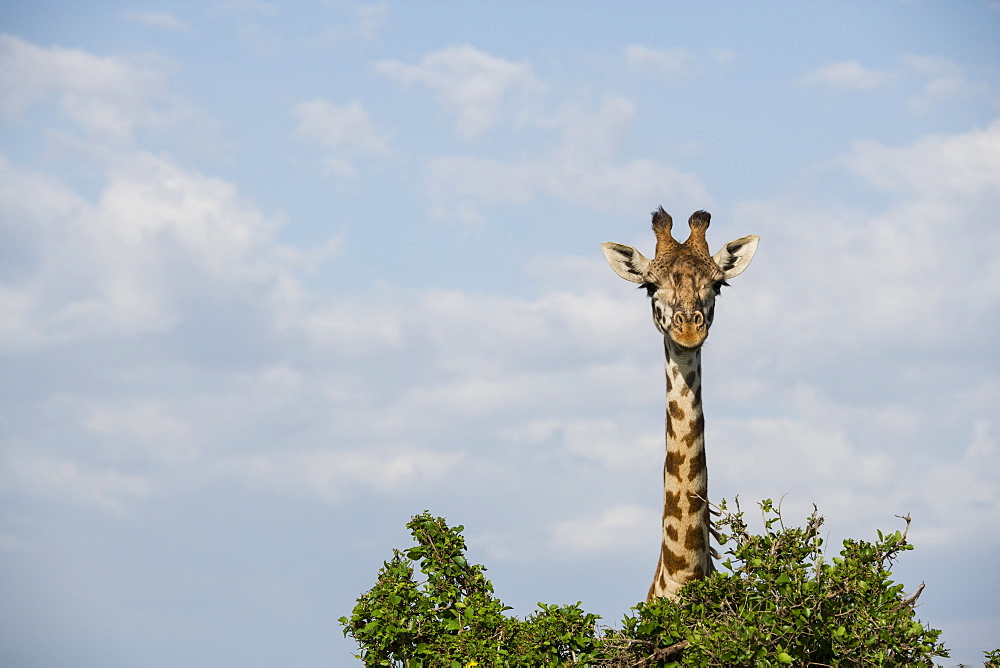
<point x="673" y="462"/>
<point x="699" y="426"/>
<point x="672" y="563"/>
<point x="694" y="539"/>
<point x="671" y="504"/>
<point x="691" y="378"/>
<point x="695" y="504"/>
<point x="692" y="435"/>
<point x="698" y="465"/>
<point x="676" y="412"/>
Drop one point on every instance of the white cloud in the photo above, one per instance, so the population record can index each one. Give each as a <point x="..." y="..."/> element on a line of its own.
<point x="260" y="7"/>
<point x="602" y="440"/>
<point x="582" y="167"/>
<point x="473" y="84"/>
<point x="947" y="188"/>
<point x="155" y="200"/>
<point x="364" y="22"/>
<point x="144" y="428"/>
<point x="332" y="474"/>
<point x="121" y="266"/>
<point x="493" y="364"/>
<point x="63" y="478"/>
<point x="347" y="131"/>
<point x="108" y="97"/>
<point x="901" y="275"/>
<point x="850" y="75"/>
<point x="862" y="466"/>
<point x="893" y="311"/>
<point x="465" y="323"/>
<point x="724" y="56"/>
<point x="371" y="19"/>
<point x="946" y="81"/>
<point x="622" y="527"/>
<point x="666" y="63"/>
<point x="938" y="167"/>
<point x="160" y="20"/>
<point x="943" y="80"/>
<point x="359" y="325"/>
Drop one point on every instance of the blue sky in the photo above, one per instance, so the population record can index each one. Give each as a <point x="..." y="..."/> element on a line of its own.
<point x="275" y="277"/>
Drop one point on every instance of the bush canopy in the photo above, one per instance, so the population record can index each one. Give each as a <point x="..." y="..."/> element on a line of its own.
<point x="777" y="600"/>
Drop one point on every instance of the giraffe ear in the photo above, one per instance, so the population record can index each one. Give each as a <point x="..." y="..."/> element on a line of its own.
<point x="734" y="257"/>
<point x="626" y="261"/>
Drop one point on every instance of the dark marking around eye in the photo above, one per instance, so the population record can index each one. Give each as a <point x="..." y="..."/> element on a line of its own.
<point x="648" y="287"/>
<point x="718" y="285"/>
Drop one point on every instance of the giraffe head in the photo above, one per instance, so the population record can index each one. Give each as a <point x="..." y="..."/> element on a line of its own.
<point x="682" y="279"/>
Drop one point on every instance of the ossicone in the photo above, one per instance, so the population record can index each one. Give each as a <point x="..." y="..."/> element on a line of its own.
<point x="700" y="220"/>
<point x="662" y="226"/>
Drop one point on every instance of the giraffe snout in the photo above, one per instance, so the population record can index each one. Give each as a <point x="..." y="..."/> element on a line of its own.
<point x="688" y="318"/>
<point x="688" y="328"/>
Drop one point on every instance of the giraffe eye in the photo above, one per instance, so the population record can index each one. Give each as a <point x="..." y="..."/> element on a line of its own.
<point x="649" y="288"/>
<point x="717" y="286"/>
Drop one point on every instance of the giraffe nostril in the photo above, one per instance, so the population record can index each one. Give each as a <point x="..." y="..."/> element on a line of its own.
<point x="681" y="318"/>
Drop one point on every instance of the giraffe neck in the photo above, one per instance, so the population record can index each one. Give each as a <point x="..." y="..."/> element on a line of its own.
<point x="684" y="555"/>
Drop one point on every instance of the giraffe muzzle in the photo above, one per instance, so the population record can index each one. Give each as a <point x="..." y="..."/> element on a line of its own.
<point x="682" y="318"/>
<point x="688" y="328"/>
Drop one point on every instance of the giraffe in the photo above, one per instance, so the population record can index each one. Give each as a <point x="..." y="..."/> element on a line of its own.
<point x="682" y="281"/>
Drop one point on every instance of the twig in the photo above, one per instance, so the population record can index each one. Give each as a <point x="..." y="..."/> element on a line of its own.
<point x="906" y="529"/>
<point x="667" y="652"/>
<point x="912" y="599"/>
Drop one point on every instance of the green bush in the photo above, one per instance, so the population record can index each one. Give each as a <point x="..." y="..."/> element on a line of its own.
<point x="778" y="601"/>
<point x="452" y="617"/>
